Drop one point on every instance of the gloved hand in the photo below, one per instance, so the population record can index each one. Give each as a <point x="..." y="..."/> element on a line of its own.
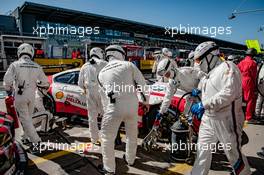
<point x="198" y="110"/>
<point x="157" y="119"/>
<point x="195" y="92"/>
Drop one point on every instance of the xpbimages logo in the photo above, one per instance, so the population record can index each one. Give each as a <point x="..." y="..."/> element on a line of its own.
<point x="182" y="146"/>
<point x="80" y="31"/>
<point x="211" y="31"/>
<point x="73" y="147"/>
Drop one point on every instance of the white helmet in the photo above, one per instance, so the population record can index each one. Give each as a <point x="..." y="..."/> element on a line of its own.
<point x="26" y="49"/>
<point x="164" y="66"/>
<point x="205" y="48"/>
<point x="97" y="52"/>
<point x="166" y="52"/>
<point x="191" y="55"/>
<point x="231" y="58"/>
<point x="208" y="54"/>
<point x="115" y="51"/>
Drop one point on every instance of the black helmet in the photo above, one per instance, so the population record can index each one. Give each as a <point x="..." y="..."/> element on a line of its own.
<point x="251" y="51"/>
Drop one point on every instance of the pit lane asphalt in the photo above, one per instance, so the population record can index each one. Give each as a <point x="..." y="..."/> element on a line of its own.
<point x="62" y="162"/>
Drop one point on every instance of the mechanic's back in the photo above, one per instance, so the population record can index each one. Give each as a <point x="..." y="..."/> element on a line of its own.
<point x="23" y="76"/>
<point x="121" y="76"/>
<point x="118" y="80"/>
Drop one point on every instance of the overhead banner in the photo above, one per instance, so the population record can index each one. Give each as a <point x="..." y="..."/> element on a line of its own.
<point x="253" y="44"/>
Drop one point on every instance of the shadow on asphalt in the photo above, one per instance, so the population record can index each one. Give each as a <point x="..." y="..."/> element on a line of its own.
<point x="220" y="163"/>
<point x="73" y="163"/>
<point x="70" y="163"/>
<point x="33" y="169"/>
<point x="256" y="163"/>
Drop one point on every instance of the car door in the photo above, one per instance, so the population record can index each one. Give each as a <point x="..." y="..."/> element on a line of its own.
<point x="74" y="100"/>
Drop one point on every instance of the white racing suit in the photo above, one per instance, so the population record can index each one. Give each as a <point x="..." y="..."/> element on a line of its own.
<point x="23" y="76"/>
<point x="88" y="81"/>
<point x="259" y="111"/>
<point x="41" y="115"/>
<point x="184" y="78"/>
<point x="222" y="120"/>
<point x="118" y="80"/>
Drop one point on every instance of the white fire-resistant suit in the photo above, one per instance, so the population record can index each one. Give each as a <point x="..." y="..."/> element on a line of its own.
<point x="41" y="115"/>
<point x="26" y="74"/>
<point x="120" y="78"/>
<point x="222" y="120"/>
<point x="259" y="111"/>
<point x="184" y="78"/>
<point x="88" y="81"/>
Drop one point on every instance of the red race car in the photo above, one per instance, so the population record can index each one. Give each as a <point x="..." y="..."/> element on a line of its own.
<point x="68" y="99"/>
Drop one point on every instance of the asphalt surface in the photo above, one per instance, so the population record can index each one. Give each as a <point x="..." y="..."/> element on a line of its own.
<point x="62" y="159"/>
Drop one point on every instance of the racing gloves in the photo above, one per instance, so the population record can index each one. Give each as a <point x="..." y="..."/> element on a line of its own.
<point x="198" y="110"/>
<point x="195" y="92"/>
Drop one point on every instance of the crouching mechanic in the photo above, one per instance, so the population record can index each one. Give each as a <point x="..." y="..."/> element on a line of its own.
<point x="88" y="81"/>
<point x="184" y="78"/>
<point x="166" y="54"/>
<point x="23" y="76"/>
<point x="222" y="106"/>
<point x="119" y="80"/>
